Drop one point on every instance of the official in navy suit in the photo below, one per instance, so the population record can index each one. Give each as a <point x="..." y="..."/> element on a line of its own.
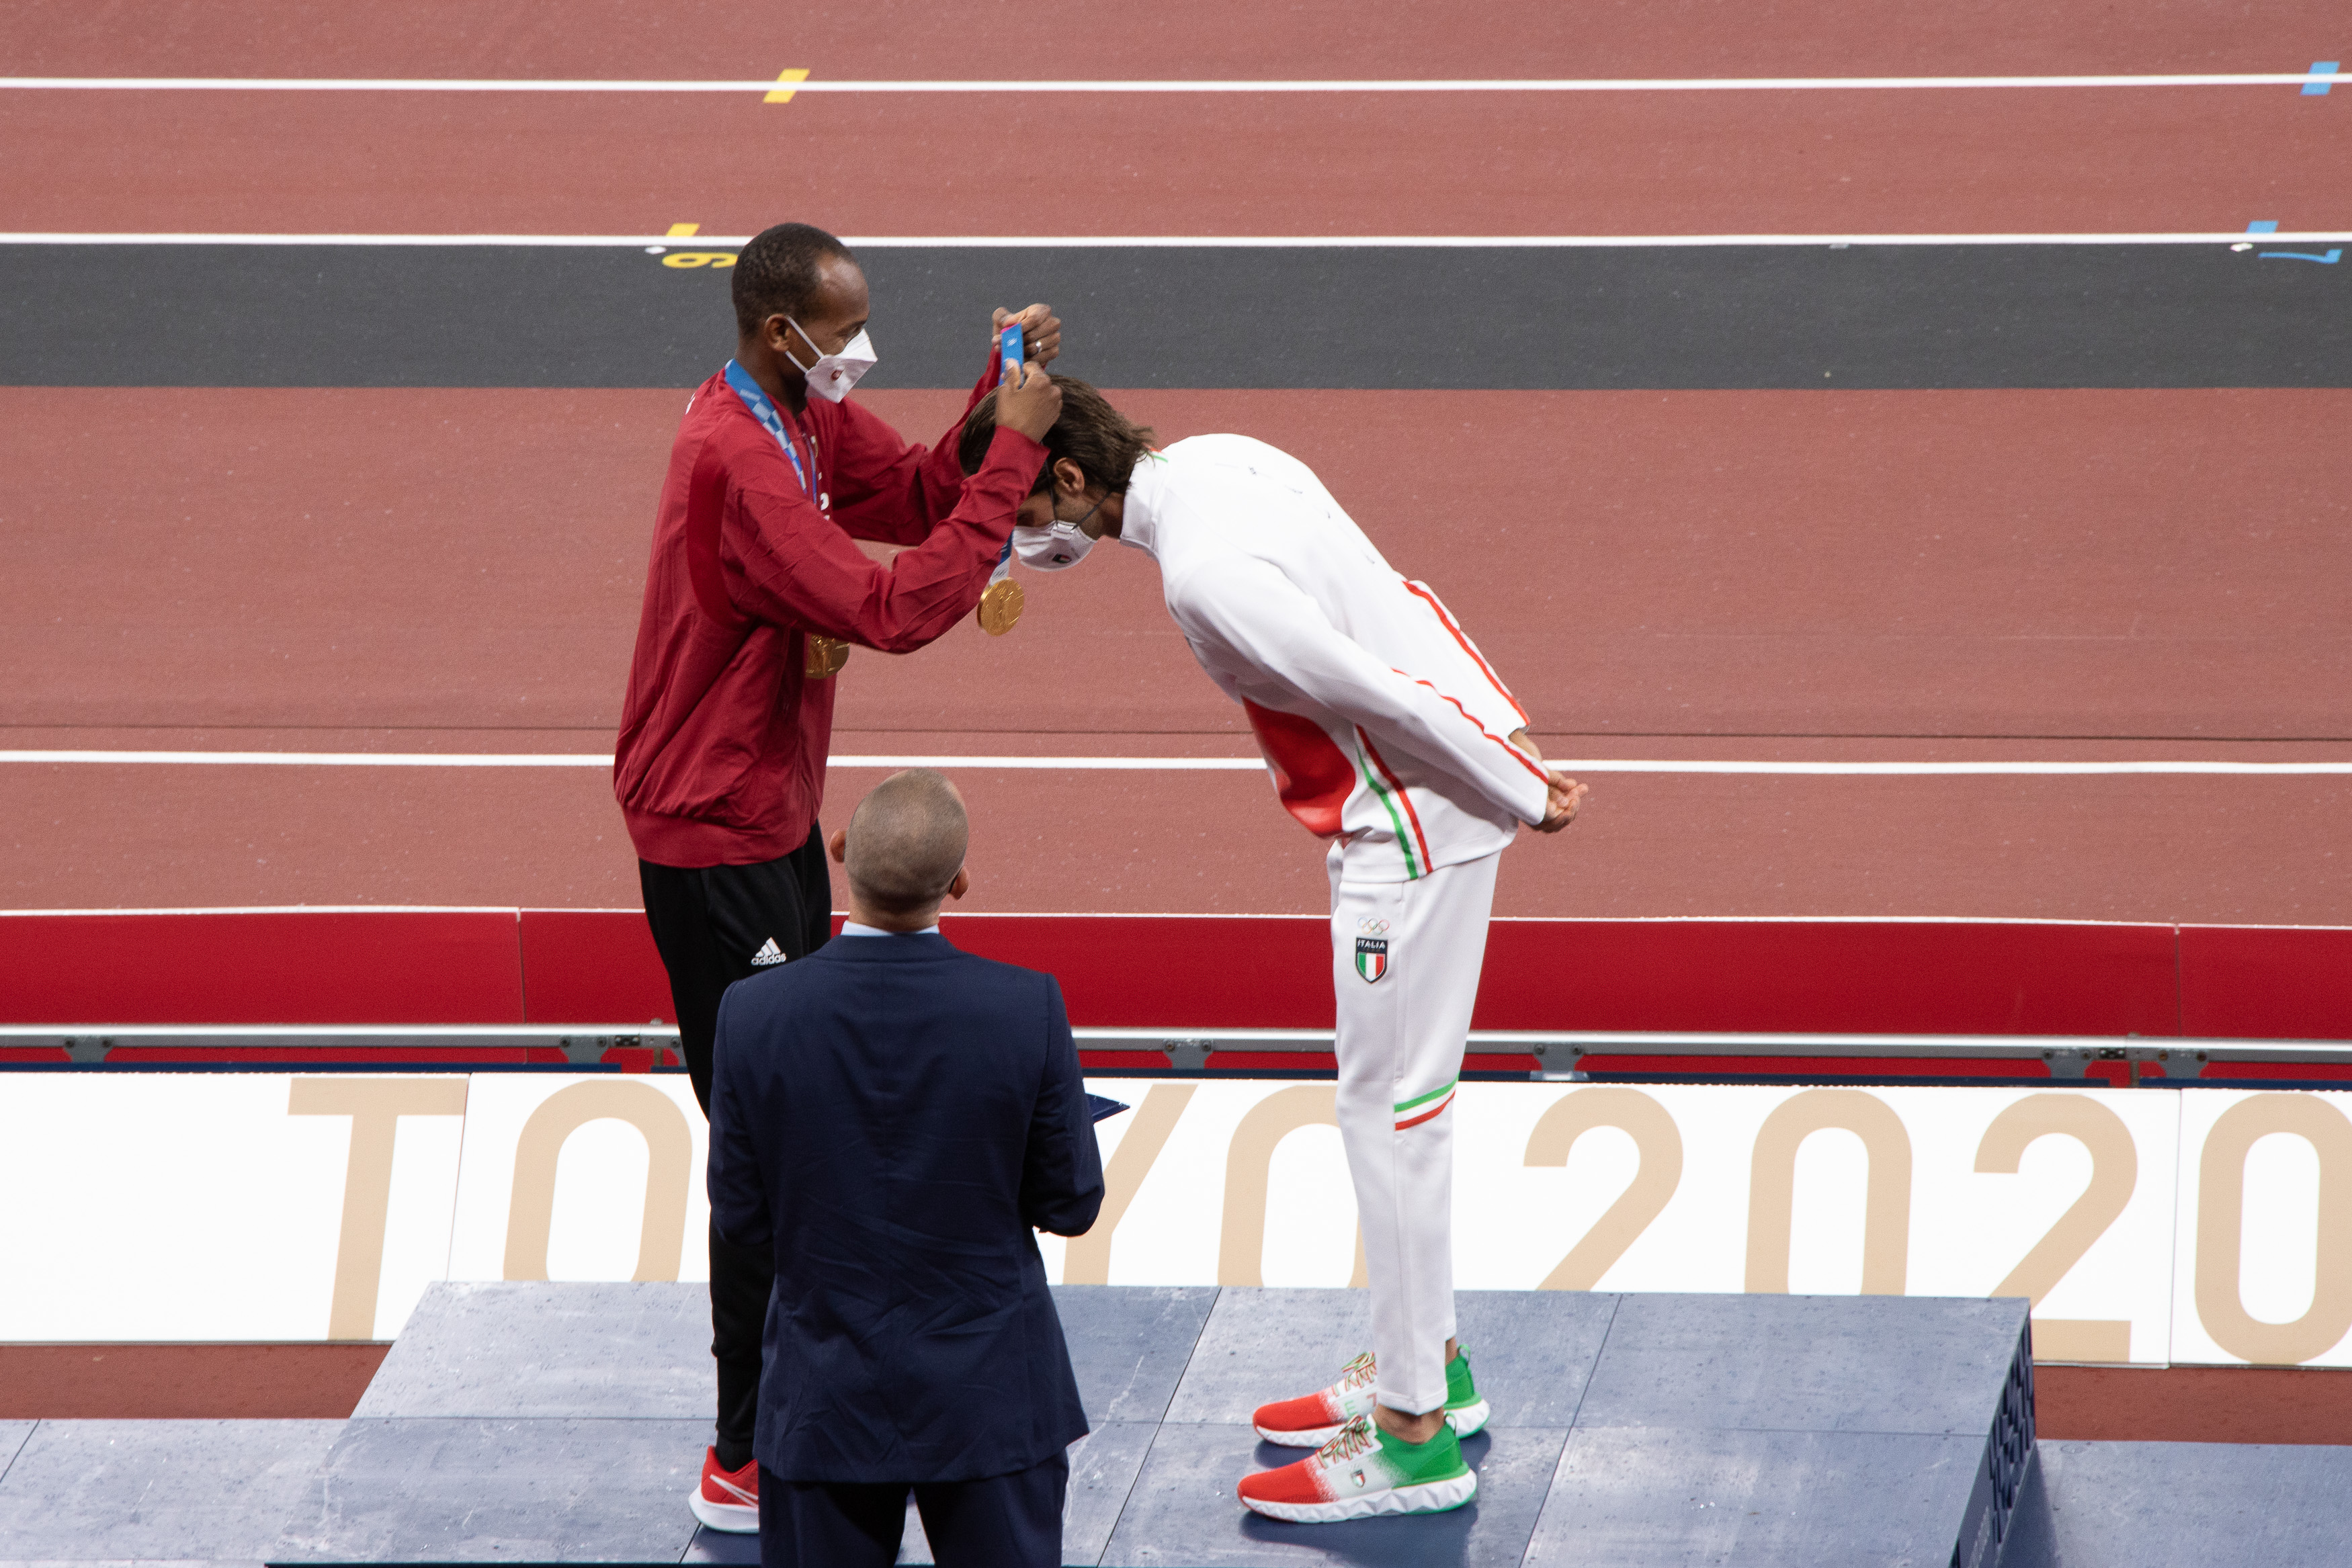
<point x="896" y="1119"/>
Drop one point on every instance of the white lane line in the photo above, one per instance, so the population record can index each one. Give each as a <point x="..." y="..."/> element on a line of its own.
<point x="1190" y="242"/>
<point x="1170" y="764"/>
<point x="1545" y="84"/>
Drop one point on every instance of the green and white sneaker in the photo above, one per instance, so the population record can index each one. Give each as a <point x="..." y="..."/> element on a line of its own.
<point x="1361" y="1473"/>
<point x="1316" y="1418"/>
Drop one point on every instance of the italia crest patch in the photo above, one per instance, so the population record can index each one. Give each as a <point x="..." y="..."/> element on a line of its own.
<point x="1371" y="957"/>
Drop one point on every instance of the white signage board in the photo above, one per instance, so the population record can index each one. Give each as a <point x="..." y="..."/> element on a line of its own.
<point x="2262" y="1271"/>
<point x="223" y="1206"/>
<point x="2197" y="1226"/>
<point x="583" y="1176"/>
<point x="2065" y="1196"/>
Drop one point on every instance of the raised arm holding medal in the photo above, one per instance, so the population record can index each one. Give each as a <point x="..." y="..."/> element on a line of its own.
<point x="755" y="594"/>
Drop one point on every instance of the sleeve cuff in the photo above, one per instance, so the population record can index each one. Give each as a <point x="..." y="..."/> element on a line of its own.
<point x="1010" y="451"/>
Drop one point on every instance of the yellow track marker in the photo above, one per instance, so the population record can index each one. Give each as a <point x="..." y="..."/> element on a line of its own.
<point x="785" y="96"/>
<point x="683" y="231"/>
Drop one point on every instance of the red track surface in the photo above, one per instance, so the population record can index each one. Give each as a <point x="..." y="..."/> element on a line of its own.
<point x="1041" y="38"/>
<point x="2058" y="160"/>
<point x="187" y="1382"/>
<point x="2060" y="564"/>
<point x="2267" y="851"/>
<point x="1709" y="574"/>
<point x="2028" y="161"/>
<point x="221" y="1382"/>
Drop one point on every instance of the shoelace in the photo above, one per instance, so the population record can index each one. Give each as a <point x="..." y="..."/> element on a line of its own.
<point x="1353" y="1439"/>
<point x="1358" y="1372"/>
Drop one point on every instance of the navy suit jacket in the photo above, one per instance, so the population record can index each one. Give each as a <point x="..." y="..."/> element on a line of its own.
<point x="892" y="1116"/>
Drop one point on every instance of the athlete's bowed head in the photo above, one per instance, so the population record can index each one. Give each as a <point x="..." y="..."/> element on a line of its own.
<point x="1390" y="736"/>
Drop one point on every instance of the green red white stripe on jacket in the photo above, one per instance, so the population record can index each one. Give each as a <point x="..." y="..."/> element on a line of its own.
<point x="1412" y="1112"/>
<point x="1390" y="792"/>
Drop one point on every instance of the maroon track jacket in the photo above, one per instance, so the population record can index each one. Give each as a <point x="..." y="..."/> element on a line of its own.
<point x="723" y="739"/>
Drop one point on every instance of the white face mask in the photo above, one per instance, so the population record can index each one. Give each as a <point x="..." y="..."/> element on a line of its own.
<point x="834" y="374"/>
<point x="1052" y="548"/>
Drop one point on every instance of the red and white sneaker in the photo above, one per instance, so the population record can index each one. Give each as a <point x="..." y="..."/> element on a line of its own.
<point x="1316" y="1418"/>
<point x="727" y="1499"/>
<point x="1361" y="1473"/>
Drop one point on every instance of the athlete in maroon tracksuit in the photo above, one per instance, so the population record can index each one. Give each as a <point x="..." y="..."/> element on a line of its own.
<point x="755" y="594"/>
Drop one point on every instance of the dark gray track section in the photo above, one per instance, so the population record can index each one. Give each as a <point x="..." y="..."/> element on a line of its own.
<point x="1495" y="318"/>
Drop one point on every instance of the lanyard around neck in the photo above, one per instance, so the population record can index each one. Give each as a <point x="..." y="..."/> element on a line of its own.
<point x="765" y="412"/>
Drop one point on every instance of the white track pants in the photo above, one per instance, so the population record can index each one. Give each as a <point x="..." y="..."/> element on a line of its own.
<point x="1404" y="962"/>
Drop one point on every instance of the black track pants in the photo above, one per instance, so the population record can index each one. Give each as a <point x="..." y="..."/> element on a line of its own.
<point x="712" y="924"/>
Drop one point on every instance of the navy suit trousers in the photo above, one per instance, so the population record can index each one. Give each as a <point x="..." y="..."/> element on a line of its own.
<point x="1003" y="1522"/>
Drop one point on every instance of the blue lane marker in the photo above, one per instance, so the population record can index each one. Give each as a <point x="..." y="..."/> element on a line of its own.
<point x="2320" y="68"/>
<point x="2270" y="226"/>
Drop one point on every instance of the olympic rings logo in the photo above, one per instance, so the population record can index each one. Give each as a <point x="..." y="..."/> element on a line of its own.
<point x="1372" y="926"/>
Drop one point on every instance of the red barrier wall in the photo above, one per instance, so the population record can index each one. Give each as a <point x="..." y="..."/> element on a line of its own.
<point x="2266" y="982"/>
<point x="599" y="966"/>
<point x="1149" y="971"/>
<point x="1829" y="976"/>
<point x="591" y="965"/>
<point x="321" y="967"/>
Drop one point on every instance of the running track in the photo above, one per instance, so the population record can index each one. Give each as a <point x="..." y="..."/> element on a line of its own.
<point x="1775" y="575"/>
<point x="1999" y="573"/>
<point x="2006" y="574"/>
<point x="2027" y="160"/>
<point x="1208" y="38"/>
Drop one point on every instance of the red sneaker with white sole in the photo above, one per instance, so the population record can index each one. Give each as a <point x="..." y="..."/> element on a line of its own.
<point x="727" y="1499"/>
<point x="1361" y="1473"/>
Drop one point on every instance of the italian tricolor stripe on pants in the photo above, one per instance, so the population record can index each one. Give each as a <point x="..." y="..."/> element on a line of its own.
<point x="1412" y="1112"/>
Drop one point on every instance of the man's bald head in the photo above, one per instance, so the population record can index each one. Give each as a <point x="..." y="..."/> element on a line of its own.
<point x="905" y="842"/>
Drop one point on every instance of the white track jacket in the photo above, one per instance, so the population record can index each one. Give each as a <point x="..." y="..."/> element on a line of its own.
<point x="1381" y="723"/>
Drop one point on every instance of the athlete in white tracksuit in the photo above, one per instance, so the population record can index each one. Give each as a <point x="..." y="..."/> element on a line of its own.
<point x="1387" y="734"/>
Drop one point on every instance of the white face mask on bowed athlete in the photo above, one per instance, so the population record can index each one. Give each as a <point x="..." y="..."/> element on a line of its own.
<point x="1052" y="548"/>
<point x="833" y="375"/>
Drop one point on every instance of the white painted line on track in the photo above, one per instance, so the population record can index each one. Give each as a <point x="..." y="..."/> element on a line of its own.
<point x="1361" y="85"/>
<point x="1176" y="763"/>
<point x="1190" y="242"/>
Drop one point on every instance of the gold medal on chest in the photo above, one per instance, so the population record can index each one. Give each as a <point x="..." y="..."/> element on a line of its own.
<point x="825" y="657"/>
<point x="1000" y="607"/>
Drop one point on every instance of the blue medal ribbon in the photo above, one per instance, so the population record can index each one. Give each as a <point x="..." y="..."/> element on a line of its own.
<point x="765" y="412"/>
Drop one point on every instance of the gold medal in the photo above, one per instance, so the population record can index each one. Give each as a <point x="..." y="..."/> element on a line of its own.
<point x="825" y="657"/>
<point x="1000" y="607"/>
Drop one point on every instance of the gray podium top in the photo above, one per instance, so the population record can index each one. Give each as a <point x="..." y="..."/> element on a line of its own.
<point x="565" y="1423"/>
<point x="529" y="1424"/>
